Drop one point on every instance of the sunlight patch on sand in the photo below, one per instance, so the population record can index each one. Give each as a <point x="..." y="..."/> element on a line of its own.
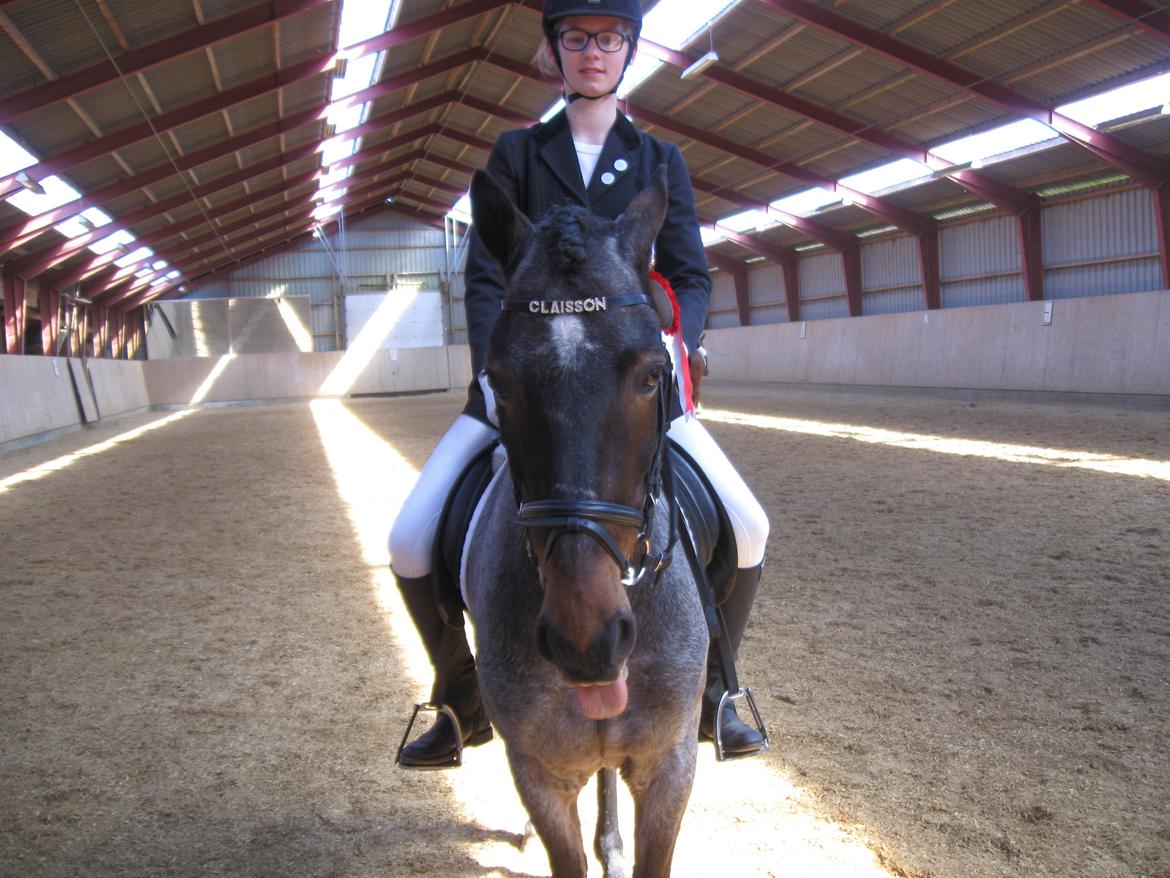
<point x="59" y="463"/>
<point x="1106" y="463"/>
<point x="745" y="818"/>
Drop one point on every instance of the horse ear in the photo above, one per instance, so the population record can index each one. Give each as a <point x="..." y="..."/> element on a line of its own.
<point x="638" y="226"/>
<point x="500" y="224"/>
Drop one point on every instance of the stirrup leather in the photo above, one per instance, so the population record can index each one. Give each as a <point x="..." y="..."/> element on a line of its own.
<point x="445" y="710"/>
<point x="728" y="697"/>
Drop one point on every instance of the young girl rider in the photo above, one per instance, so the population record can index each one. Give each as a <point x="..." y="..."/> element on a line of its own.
<point x="588" y="154"/>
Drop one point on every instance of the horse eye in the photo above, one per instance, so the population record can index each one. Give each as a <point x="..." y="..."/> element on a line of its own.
<point x="652" y="379"/>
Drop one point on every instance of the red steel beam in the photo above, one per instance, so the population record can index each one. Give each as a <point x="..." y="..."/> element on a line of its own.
<point x="140" y="60"/>
<point x="1147" y="169"/>
<point x="1162" y="213"/>
<point x="738" y="272"/>
<point x="155" y="238"/>
<point x="30" y="266"/>
<point x="17" y="233"/>
<point x="15" y="314"/>
<point x="132" y="134"/>
<point x="791" y="270"/>
<point x="49" y="301"/>
<point x="307" y="69"/>
<point x="1001" y="195"/>
<point x="897" y="216"/>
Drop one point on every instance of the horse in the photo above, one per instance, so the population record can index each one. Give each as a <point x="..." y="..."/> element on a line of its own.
<point x="591" y="646"/>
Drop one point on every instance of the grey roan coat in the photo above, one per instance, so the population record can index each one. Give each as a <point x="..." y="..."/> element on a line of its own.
<point x="577" y="397"/>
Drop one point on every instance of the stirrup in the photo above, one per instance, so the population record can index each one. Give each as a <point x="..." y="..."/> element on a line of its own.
<point x="746" y="694"/>
<point x="450" y="714"/>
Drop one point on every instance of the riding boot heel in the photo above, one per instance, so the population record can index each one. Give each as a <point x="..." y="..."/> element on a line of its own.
<point x="719" y="718"/>
<point x="461" y="720"/>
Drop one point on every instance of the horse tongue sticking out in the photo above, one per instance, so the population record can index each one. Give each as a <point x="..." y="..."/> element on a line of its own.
<point x="604" y="701"/>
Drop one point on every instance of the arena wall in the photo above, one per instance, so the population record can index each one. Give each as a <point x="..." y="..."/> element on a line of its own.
<point x="1108" y="345"/>
<point x="1114" y="345"/>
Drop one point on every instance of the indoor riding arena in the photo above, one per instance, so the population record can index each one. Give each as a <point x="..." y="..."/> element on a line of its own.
<point x="233" y="241"/>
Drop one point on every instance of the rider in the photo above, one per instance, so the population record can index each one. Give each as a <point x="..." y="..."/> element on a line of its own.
<point x="588" y="154"/>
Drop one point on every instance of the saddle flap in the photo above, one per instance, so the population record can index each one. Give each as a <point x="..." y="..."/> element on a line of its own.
<point x="453" y="523"/>
<point x="714" y="540"/>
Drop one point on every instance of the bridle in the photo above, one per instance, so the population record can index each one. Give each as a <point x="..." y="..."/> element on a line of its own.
<point x="556" y="518"/>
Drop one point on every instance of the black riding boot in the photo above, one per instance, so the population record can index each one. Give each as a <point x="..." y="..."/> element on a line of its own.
<point x="739" y="738"/>
<point x="456" y="683"/>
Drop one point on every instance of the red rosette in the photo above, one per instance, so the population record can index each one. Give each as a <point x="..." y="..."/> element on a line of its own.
<point x="676" y="312"/>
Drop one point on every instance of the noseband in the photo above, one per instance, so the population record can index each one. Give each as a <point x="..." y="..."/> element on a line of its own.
<point x="557" y="518"/>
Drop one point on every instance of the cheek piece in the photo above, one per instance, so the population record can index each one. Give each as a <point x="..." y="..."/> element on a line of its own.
<point x="569" y="98"/>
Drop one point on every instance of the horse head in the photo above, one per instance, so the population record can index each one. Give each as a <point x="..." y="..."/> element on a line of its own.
<point x="581" y="382"/>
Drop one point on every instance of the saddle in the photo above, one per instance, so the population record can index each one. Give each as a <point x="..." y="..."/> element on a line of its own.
<point x="700" y="506"/>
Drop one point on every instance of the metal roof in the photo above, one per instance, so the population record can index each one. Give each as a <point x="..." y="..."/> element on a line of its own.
<point x="197" y="124"/>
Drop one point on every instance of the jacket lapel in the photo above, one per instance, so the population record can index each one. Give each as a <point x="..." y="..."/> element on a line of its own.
<point x="618" y="161"/>
<point x="560" y="155"/>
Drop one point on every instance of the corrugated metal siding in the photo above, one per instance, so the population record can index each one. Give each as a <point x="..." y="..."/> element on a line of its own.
<point x="1130" y="276"/>
<point x="822" y="287"/>
<point x="1117" y="224"/>
<point x="766" y="294"/>
<point x="377" y="250"/>
<point x="825" y="309"/>
<point x="821" y="275"/>
<point x="981" y="263"/>
<point x="721" y="312"/>
<point x="887" y="267"/>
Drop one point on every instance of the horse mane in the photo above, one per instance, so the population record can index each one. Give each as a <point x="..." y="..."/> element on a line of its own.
<point x="567" y="231"/>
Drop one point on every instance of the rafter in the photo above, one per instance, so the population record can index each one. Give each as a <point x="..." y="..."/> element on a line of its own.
<point x="1143" y="167"/>
<point x="307" y="69"/>
<point x="21" y="231"/>
<point x="138" y="60"/>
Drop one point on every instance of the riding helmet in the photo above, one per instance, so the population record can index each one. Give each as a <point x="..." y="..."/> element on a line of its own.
<point x="555" y="10"/>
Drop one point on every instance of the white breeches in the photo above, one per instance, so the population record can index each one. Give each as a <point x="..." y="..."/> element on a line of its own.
<point x="413" y="535"/>
<point x="748" y="520"/>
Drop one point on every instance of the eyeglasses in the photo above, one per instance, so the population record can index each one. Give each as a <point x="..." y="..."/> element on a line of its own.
<point x="608" y="41"/>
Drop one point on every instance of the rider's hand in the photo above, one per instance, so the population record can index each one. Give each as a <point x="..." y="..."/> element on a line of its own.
<point x="697" y="361"/>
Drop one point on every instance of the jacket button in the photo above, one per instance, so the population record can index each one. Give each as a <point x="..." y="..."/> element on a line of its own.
<point x="607" y="178"/>
<point x="620" y="165"/>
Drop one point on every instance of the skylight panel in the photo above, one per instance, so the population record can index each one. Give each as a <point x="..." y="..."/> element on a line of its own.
<point x="57" y="192"/>
<point x="804" y="203"/>
<point x="461" y="212"/>
<point x="1124" y="101"/>
<point x="13" y="156"/>
<point x="676" y="23"/>
<point x="134" y="256"/>
<point x="980" y="148"/>
<point x="887" y="175"/>
<point x="748" y="220"/>
<point x="94" y="218"/>
<point x="710" y="236"/>
<point x="119" y="238"/>
<point x="172" y="275"/>
<point x="159" y="265"/>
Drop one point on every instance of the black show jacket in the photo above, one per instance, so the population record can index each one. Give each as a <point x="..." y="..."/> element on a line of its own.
<point x="538" y="168"/>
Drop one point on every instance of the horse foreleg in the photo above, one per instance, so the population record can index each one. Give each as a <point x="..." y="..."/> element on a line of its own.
<point x="660" y="794"/>
<point x="552" y="809"/>
<point x="607" y="844"/>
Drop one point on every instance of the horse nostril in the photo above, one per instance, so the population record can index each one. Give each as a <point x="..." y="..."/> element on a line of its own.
<point x="543" y="644"/>
<point x="625" y="632"/>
